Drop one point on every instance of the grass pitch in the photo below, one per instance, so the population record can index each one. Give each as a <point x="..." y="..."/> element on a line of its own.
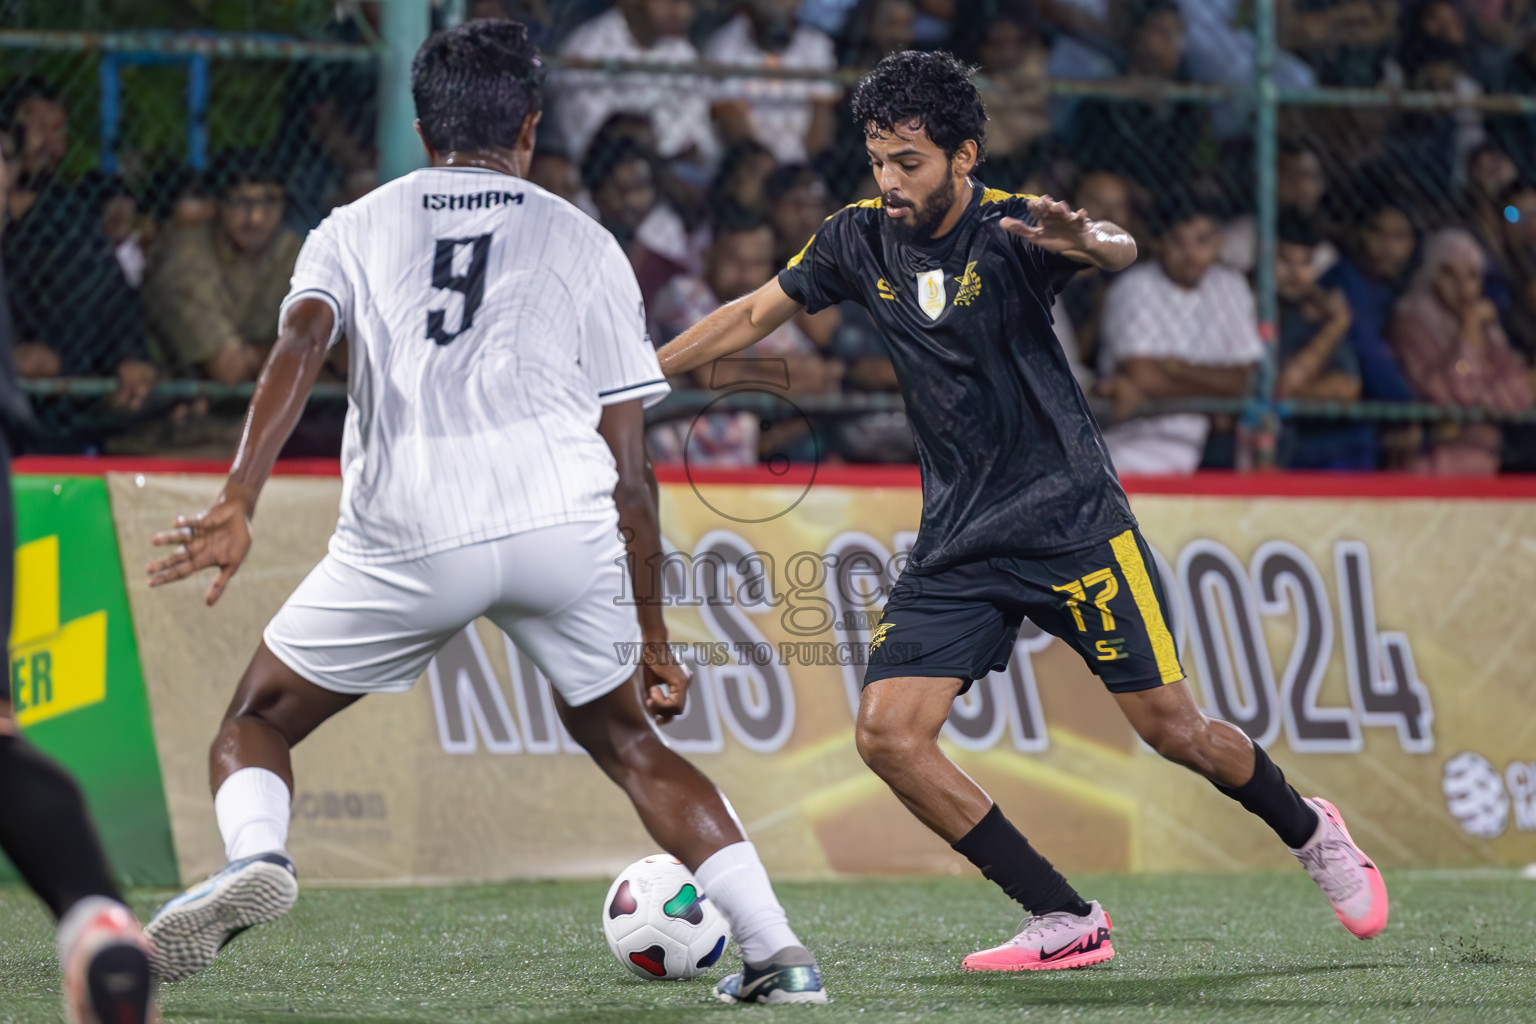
<point x="1460" y="947"/>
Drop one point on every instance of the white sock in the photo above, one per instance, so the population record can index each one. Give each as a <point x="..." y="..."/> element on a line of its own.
<point x="252" y="807"/>
<point x="734" y="879"/>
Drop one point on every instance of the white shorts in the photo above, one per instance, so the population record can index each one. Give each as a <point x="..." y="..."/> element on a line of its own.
<point x="555" y="591"/>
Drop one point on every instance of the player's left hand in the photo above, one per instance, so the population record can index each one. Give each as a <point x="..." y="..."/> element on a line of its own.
<point x="665" y="681"/>
<point x="1057" y="227"/>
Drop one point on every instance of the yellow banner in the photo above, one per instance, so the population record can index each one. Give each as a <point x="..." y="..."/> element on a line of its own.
<point x="1376" y="647"/>
<point x="55" y="669"/>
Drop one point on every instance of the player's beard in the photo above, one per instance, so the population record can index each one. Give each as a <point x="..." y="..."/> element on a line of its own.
<point x="925" y="218"/>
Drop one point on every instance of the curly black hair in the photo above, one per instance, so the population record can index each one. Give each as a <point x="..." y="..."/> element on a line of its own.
<point x="932" y="89"/>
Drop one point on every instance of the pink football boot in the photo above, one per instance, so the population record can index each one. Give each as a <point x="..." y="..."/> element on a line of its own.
<point x="1348" y="877"/>
<point x="1049" y="942"/>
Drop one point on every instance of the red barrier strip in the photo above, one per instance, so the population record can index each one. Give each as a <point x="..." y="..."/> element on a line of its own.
<point x="96" y="465"/>
<point x="1219" y="484"/>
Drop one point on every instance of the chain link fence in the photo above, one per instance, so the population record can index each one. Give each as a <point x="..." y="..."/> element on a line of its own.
<point x="120" y="143"/>
<point x="141" y="137"/>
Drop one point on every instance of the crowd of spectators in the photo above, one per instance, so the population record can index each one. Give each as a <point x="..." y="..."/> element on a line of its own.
<point x="1405" y="270"/>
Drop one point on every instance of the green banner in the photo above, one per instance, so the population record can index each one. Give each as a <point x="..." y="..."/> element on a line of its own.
<point x="76" y="682"/>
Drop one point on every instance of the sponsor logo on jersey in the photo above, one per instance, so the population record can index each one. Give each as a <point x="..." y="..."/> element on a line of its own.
<point x="970" y="286"/>
<point x="472" y="201"/>
<point x="930" y="293"/>
<point x="886" y="291"/>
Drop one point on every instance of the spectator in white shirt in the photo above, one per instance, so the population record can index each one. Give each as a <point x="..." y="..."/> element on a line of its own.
<point x="793" y="118"/>
<point x="1182" y="326"/>
<point x="653" y="31"/>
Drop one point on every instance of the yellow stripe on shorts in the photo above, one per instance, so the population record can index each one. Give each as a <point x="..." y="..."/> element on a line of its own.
<point x="1135" y="572"/>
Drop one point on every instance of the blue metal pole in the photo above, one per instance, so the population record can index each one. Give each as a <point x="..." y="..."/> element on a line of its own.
<point x="1261" y="421"/>
<point x="197" y="112"/>
<point x="404" y="28"/>
<point x="111" y="112"/>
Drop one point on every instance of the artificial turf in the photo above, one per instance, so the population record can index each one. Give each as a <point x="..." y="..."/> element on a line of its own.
<point x="1460" y="947"/>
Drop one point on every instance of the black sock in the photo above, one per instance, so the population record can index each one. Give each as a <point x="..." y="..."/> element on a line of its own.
<point x="1005" y="857"/>
<point x="1274" y="800"/>
<point x="45" y="830"/>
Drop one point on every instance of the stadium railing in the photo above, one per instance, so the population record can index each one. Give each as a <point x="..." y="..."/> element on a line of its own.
<point x="164" y="104"/>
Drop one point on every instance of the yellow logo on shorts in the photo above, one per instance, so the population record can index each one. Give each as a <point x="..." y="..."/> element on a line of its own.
<point x="1111" y="650"/>
<point x="878" y="636"/>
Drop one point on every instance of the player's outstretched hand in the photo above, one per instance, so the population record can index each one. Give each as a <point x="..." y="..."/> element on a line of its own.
<point x="666" y="683"/>
<point x="1057" y="226"/>
<point x="218" y="537"/>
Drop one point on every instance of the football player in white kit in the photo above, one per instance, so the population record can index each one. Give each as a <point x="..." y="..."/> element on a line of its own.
<point x="493" y="458"/>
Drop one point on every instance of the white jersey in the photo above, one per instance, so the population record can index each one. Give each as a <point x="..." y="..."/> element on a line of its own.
<point x="487" y="323"/>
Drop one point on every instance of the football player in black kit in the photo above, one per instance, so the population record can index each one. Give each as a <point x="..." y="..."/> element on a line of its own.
<point x="44" y="826"/>
<point x="1023" y="514"/>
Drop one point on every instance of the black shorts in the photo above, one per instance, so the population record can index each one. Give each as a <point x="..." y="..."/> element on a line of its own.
<point x="1105" y="601"/>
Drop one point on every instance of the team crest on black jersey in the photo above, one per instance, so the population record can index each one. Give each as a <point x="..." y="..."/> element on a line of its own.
<point x="930" y="293"/>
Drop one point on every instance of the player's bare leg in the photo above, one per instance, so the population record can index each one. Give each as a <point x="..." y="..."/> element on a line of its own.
<point x="250" y="769"/>
<point x="1173" y="725"/>
<point x="273" y="709"/>
<point x="898" y="733"/>
<point x="686" y="814"/>
<point x="898" y="737"/>
<point x="679" y="806"/>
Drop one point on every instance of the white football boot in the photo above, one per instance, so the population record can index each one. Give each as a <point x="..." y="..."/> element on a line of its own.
<point x="189" y="931"/>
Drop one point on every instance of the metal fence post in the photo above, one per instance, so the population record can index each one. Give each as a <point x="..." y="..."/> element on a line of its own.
<point x="404" y="27"/>
<point x="1261" y="422"/>
<point x="197" y="111"/>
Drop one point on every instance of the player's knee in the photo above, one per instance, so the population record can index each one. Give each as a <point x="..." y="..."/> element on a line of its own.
<point x="624" y="752"/>
<point x="257" y="709"/>
<point x="269" y="709"/>
<point x="1185" y="741"/>
<point x="886" y="746"/>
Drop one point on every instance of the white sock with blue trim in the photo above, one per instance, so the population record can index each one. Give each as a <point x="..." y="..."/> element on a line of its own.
<point x="253" y="807"/>
<point x="734" y="879"/>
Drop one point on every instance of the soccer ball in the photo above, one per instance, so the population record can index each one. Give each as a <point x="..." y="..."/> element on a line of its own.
<point x="659" y="924"/>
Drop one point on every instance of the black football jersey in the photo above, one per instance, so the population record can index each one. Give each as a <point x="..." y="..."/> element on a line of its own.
<point x="1012" y="460"/>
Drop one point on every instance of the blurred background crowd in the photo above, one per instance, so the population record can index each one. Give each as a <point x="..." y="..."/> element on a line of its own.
<point x="158" y="195"/>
